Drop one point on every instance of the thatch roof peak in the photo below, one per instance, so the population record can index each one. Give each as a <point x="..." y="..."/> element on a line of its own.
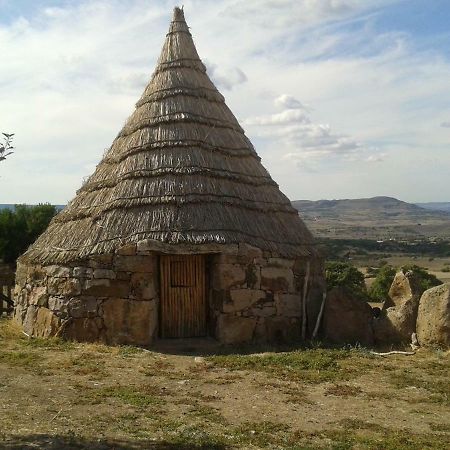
<point x="181" y="171"/>
<point x="179" y="48"/>
<point x="178" y="15"/>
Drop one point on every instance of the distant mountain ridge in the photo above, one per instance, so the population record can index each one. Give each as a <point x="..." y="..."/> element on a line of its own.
<point x="436" y="206"/>
<point x="384" y="206"/>
<point x="376" y="217"/>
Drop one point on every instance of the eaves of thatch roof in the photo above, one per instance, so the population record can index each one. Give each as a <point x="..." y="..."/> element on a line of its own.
<point x="181" y="170"/>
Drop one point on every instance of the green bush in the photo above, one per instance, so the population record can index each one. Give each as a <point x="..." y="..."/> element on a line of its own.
<point x="426" y="280"/>
<point x="339" y="274"/>
<point x="385" y="275"/>
<point x="378" y="292"/>
<point x="20" y="228"/>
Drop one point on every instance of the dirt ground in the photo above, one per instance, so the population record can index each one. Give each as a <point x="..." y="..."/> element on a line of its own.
<point x="196" y="395"/>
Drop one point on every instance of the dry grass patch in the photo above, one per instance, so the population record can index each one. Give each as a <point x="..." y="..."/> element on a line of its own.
<point x="310" y="365"/>
<point x="343" y="390"/>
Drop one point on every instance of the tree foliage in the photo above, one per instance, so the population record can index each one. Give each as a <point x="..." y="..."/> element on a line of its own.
<point x="339" y="274"/>
<point x="385" y="276"/>
<point x="20" y="228"/>
<point x="379" y="289"/>
<point x="426" y="280"/>
<point x="6" y="146"/>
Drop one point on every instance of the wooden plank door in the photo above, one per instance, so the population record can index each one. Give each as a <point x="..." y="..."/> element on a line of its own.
<point x="183" y="296"/>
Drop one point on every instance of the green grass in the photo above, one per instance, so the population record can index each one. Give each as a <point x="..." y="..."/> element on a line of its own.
<point x="310" y="365"/>
<point x="139" y="396"/>
<point x="439" y="388"/>
<point x="207" y="413"/>
<point x="20" y="359"/>
<point x="47" y="344"/>
<point x="343" y="390"/>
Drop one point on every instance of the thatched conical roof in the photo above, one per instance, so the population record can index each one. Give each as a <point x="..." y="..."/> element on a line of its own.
<point x="180" y="171"/>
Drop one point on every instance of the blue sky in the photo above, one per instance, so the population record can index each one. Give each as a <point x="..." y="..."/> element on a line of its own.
<point x="341" y="98"/>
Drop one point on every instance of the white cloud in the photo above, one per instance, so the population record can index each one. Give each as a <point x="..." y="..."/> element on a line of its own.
<point x="289" y="102"/>
<point x="288" y="13"/>
<point x="225" y="78"/>
<point x="445" y="124"/>
<point x="302" y="139"/>
<point x="285" y="117"/>
<point x="376" y="157"/>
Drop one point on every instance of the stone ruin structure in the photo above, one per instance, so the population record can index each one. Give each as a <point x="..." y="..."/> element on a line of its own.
<point x="180" y="231"/>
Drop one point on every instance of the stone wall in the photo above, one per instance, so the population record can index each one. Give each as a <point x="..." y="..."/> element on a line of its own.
<point x="109" y="298"/>
<point x="254" y="296"/>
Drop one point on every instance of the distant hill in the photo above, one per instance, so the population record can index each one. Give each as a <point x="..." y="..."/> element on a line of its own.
<point x="12" y="205"/>
<point x="436" y="206"/>
<point x="373" y="218"/>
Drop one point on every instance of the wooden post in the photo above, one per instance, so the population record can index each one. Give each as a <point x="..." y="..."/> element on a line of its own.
<point x="305" y="292"/>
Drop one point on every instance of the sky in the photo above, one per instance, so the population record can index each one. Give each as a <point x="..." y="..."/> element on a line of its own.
<point x="341" y="98"/>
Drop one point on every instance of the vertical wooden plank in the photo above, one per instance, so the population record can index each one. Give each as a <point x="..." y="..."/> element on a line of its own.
<point x="162" y="300"/>
<point x="194" y="293"/>
<point x="198" y="299"/>
<point x="202" y="296"/>
<point x="193" y="297"/>
<point x="183" y="295"/>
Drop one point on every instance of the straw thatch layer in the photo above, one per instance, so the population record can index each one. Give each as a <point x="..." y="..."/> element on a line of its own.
<point x="180" y="171"/>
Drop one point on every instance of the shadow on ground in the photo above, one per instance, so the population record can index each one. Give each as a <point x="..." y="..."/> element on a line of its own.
<point x="58" y="442"/>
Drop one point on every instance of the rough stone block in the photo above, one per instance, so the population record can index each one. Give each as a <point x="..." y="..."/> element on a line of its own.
<point x="64" y="286"/>
<point x="398" y="318"/>
<point x="29" y="319"/>
<point x="128" y="321"/>
<point x="58" y="271"/>
<point x="123" y="275"/>
<point x="242" y="299"/>
<point x="104" y="287"/>
<point x="59" y="305"/>
<point x="226" y="258"/>
<point x="282" y="329"/>
<point x="226" y="276"/>
<point x="40" y="322"/>
<point x="142" y="286"/>
<point x="83" y="272"/>
<point x="277" y="279"/>
<point x="21" y="274"/>
<point x="127" y="250"/>
<point x="38" y="296"/>
<point x="281" y="262"/>
<point x="289" y="305"/>
<point x="84" y="329"/>
<point x="266" y="311"/>
<point x="234" y="330"/>
<point x="104" y="273"/>
<point x="253" y="276"/>
<point x="347" y="319"/>
<point x="84" y="306"/>
<point x="261" y="262"/>
<point x="144" y="247"/>
<point x="249" y="251"/>
<point x="433" y="319"/>
<point x="138" y="263"/>
<point x="101" y="261"/>
<point x="36" y="275"/>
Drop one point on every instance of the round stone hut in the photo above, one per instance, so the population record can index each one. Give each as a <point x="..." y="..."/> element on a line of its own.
<point x="180" y="231"/>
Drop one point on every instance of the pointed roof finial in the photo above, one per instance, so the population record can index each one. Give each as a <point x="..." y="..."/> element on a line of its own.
<point x="178" y="14"/>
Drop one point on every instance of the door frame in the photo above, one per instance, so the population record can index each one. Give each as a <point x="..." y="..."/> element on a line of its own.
<point x="206" y="293"/>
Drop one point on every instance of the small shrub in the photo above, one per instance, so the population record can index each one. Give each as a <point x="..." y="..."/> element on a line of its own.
<point x="345" y="275"/>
